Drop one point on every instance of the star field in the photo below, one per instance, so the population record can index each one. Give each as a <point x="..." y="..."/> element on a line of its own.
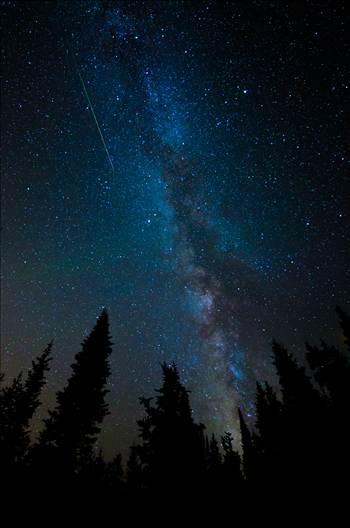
<point x="225" y="221"/>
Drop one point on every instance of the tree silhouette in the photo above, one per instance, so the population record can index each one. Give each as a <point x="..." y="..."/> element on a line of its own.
<point x="214" y="464"/>
<point x="331" y="370"/>
<point x="101" y="478"/>
<point x="296" y="387"/>
<point x="300" y="439"/>
<point x="134" y="475"/>
<point x="172" y="449"/>
<point x="18" y="403"/>
<point x="66" y="443"/>
<point x="232" y="478"/>
<point x="248" y="450"/>
<point x="344" y="321"/>
<point x="268" y="440"/>
<point x="300" y="425"/>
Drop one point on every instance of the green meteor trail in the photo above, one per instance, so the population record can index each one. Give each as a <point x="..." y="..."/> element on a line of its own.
<point x="95" y="119"/>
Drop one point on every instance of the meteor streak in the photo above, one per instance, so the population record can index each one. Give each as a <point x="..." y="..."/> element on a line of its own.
<point x="95" y="119"/>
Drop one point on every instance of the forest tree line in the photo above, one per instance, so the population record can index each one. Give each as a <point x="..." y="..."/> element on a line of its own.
<point x="300" y="436"/>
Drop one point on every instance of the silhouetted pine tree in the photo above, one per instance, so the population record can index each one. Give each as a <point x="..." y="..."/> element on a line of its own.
<point x="231" y="475"/>
<point x="214" y="464"/>
<point x="248" y="450"/>
<point x="100" y="478"/>
<point x="134" y="475"/>
<point x="12" y="433"/>
<point x="268" y="437"/>
<point x="114" y="474"/>
<point x="172" y="449"/>
<point x="18" y="403"/>
<point x="344" y="321"/>
<point x="92" y="474"/>
<point x="66" y="443"/>
<point x="331" y="370"/>
<point x="302" y="409"/>
<point x="331" y="367"/>
<point x="296" y="387"/>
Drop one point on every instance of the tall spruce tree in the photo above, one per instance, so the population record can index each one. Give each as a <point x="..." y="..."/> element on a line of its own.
<point x="268" y="411"/>
<point x="172" y="449"/>
<point x="268" y="436"/>
<point x="301" y="418"/>
<point x="214" y="462"/>
<point x="248" y="451"/>
<point x="331" y="370"/>
<point x="232" y="478"/>
<point x="18" y="403"/>
<point x="134" y="475"/>
<point x="331" y="366"/>
<point x="100" y="477"/>
<point x="296" y="387"/>
<point x="344" y="321"/>
<point x="70" y="432"/>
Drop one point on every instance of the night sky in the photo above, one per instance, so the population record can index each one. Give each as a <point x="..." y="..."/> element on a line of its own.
<point x="210" y="215"/>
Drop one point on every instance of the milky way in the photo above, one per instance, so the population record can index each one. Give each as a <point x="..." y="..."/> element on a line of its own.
<point x="224" y="222"/>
